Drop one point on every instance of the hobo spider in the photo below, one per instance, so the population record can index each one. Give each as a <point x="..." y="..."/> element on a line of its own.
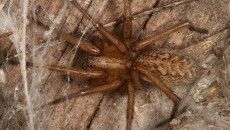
<point x="121" y="63"/>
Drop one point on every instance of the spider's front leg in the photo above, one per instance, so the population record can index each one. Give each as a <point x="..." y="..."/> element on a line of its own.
<point x="84" y="45"/>
<point x="89" y="48"/>
<point x="112" y="38"/>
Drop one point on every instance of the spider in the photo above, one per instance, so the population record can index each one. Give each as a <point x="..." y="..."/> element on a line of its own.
<point x="120" y="63"/>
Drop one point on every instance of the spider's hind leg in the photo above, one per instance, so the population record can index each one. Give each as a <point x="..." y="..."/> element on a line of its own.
<point x="78" y="72"/>
<point x="136" y="79"/>
<point x="130" y="107"/>
<point x="158" y="83"/>
<point x="142" y="44"/>
<point x="165" y="89"/>
<point x="86" y="91"/>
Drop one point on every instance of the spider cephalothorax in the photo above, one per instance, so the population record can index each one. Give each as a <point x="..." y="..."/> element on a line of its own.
<point x="115" y="63"/>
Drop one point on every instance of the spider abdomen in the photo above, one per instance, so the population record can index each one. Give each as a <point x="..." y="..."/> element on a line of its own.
<point x="170" y="66"/>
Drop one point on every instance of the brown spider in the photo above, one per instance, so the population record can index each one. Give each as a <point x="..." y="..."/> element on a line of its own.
<point x="119" y="63"/>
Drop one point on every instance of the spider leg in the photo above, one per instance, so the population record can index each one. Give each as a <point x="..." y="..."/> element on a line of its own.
<point x="91" y="49"/>
<point x="172" y="116"/>
<point x="127" y="25"/>
<point x="136" y="80"/>
<point x="159" y="83"/>
<point x="130" y="107"/>
<point x="104" y="88"/>
<point x="4" y="35"/>
<point x="142" y="44"/>
<point x="112" y="38"/>
<point x="78" y="72"/>
<point x="91" y="90"/>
